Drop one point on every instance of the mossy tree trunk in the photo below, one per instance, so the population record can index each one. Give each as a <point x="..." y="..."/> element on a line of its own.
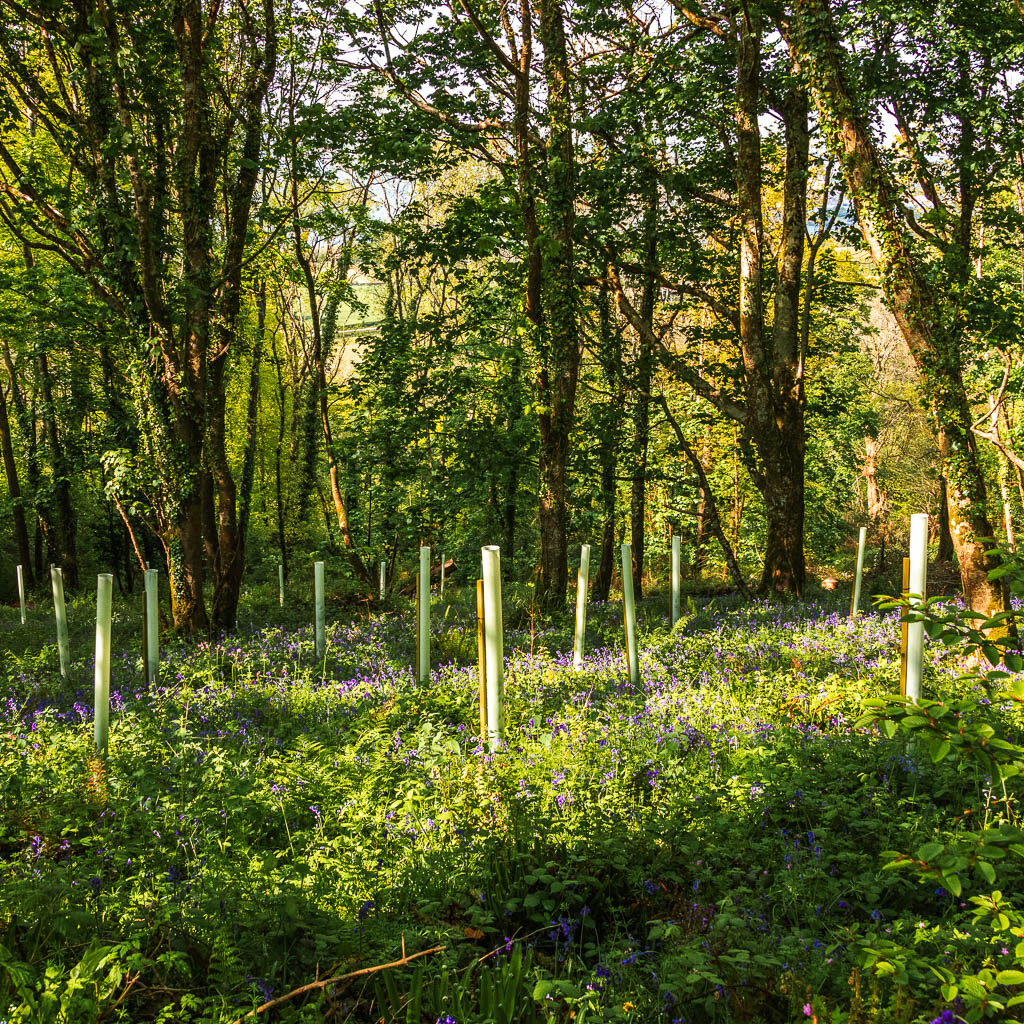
<point x="926" y="320"/>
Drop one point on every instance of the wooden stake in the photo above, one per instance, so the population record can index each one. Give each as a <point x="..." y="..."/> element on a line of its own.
<point x="904" y="628"/>
<point x="481" y="657"/>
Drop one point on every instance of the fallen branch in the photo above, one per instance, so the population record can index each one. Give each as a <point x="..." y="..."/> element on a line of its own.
<point x="314" y="986"/>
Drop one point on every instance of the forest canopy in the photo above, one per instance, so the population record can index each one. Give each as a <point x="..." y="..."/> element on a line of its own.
<point x="281" y="280"/>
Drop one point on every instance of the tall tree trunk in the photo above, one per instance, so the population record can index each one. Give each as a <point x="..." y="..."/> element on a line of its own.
<point x="509" y="515"/>
<point x="66" y="530"/>
<point x="784" y="437"/>
<point x="252" y="417"/>
<point x="738" y="501"/>
<point x="930" y="329"/>
<point x="229" y="567"/>
<point x="642" y="416"/>
<point x="278" y="451"/>
<point x="610" y="350"/>
<point x="773" y="373"/>
<point x="27" y="425"/>
<point x="560" y="353"/>
<point x="14" y="489"/>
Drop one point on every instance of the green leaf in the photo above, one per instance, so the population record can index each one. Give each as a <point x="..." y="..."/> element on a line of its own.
<point x="543" y="989"/>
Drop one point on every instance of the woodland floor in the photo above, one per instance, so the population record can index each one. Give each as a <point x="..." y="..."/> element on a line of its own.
<point x="707" y="845"/>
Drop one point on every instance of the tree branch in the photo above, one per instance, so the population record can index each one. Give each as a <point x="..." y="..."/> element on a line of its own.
<point x="703" y="387"/>
<point x="709" y="497"/>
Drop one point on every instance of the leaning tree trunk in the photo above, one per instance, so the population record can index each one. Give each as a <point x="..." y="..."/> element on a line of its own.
<point x="929" y="327"/>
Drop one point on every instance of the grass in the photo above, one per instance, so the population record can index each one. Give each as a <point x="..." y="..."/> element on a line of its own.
<point x="706" y="845"/>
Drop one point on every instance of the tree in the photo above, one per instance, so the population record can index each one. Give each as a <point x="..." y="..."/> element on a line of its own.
<point x="153" y="155"/>
<point x="926" y="312"/>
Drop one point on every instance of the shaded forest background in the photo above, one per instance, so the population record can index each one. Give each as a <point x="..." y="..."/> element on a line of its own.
<point x="292" y="281"/>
